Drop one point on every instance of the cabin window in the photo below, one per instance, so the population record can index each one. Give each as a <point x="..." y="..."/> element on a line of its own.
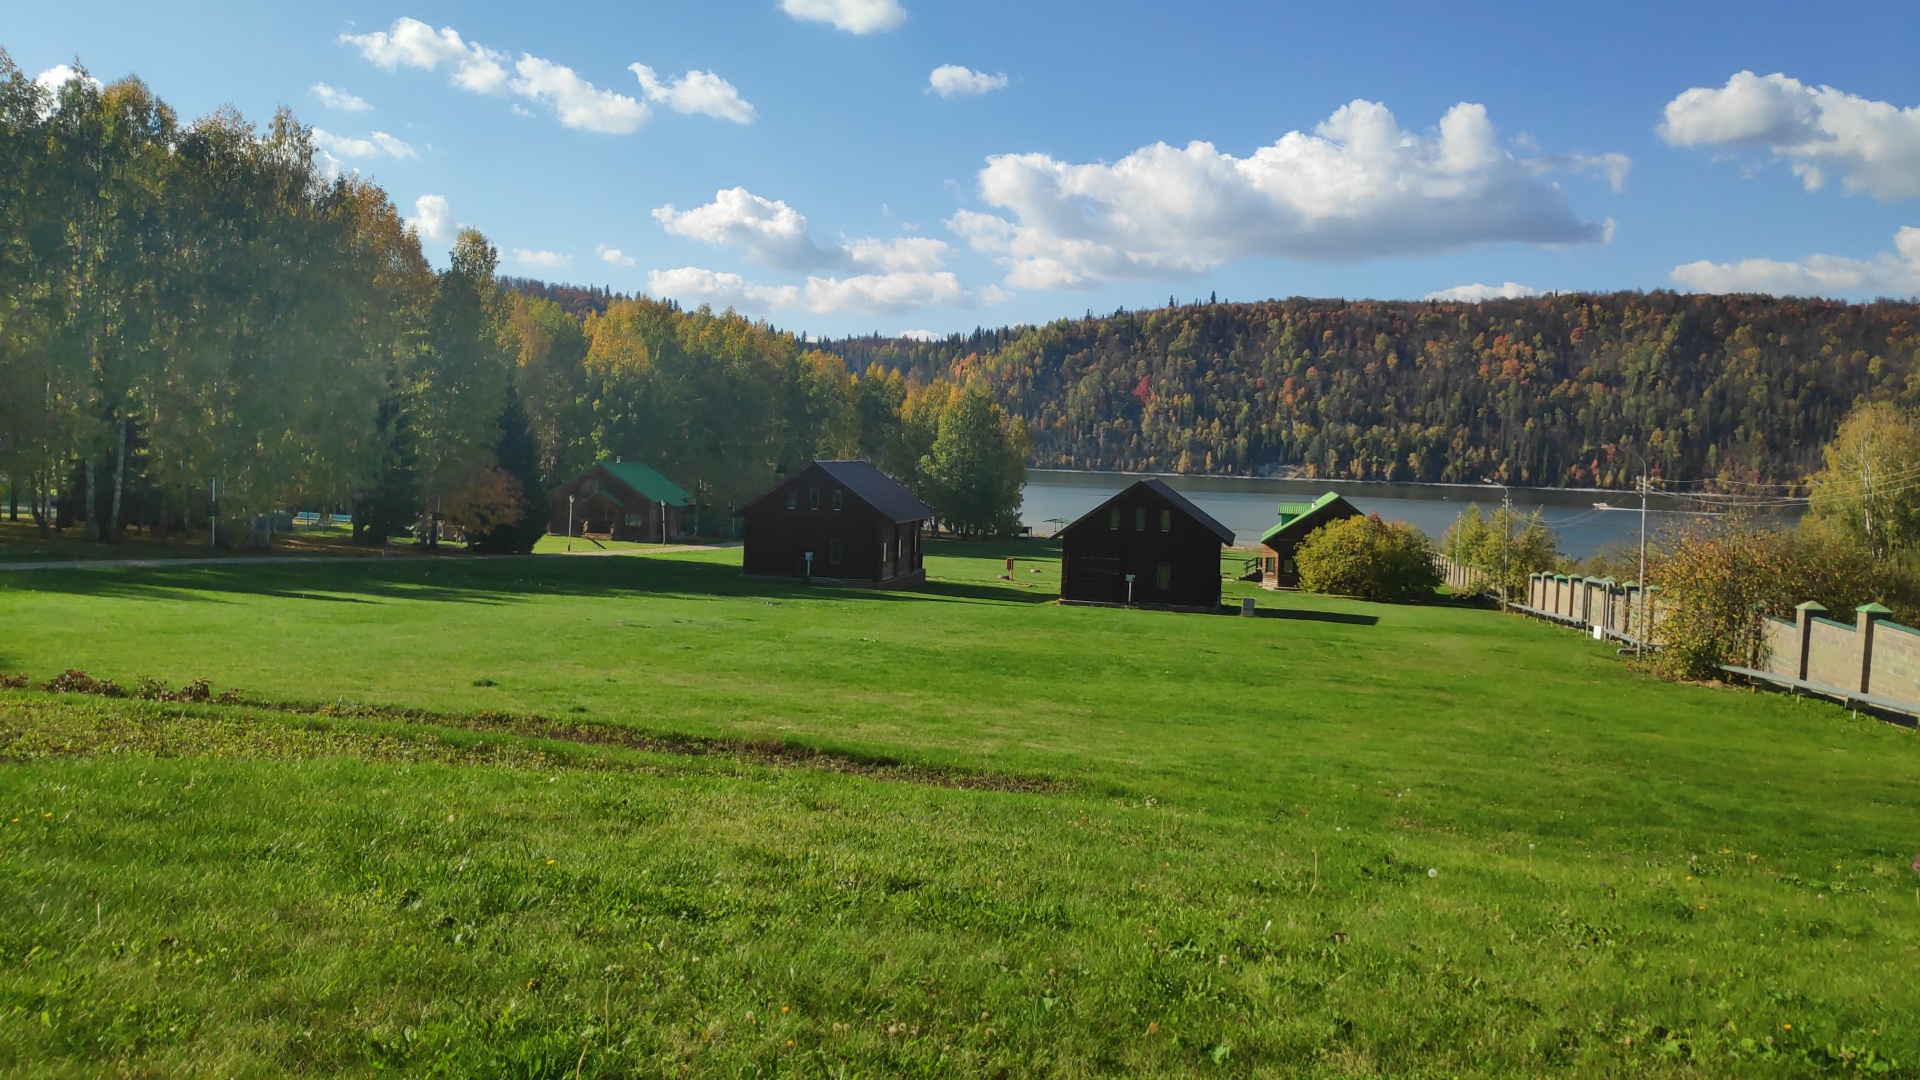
<point x="1113" y="519"/>
<point x="884" y="545"/>
<point x="1166" y="521"/>
<point x="833" y="552"/>
<point x="635" y="520"/>
<point x="1163" y="577"/>
<point x="1287" y="566"/>
<point x="813" y="498"/>
<point x="793" y="499"/>
<point x="838" y="502"/>
<point x="1140" y="519"/>
<point x="590" y="487"/>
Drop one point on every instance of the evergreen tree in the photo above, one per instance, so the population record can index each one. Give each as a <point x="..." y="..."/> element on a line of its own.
<point x="518" y="454"/>
<point x="392" y="504"/>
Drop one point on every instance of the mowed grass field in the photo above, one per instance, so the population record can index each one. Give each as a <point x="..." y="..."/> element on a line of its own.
<point x="632" y="815"/>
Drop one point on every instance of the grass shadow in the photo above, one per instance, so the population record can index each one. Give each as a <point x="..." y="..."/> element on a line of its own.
<point x="459" y="579"/>
<point x="1345" y="618"/>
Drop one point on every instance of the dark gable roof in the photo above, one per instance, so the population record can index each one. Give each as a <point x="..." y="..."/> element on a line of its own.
<point x="869" y="485"/>
<point x="877" y="490"/>
<point x="1179" y="502"/>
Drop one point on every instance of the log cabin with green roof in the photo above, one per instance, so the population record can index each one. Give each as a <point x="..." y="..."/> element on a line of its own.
<point x="1297" y="521"/>
<point x="620" y="500"/>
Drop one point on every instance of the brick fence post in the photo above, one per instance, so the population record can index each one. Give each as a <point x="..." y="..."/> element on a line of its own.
<point x="1803" y="616"/>
<point x="1866" y="615"/>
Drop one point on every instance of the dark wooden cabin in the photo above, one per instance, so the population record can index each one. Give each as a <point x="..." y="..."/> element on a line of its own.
<point x="856" y="523"/>
<point x="1297" y="519"/>
<point x="620" y="500"/>
<point x="1150" y="532"/>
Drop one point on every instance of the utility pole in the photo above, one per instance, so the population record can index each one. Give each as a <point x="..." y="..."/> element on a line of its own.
<point x="1506" y="544"/>
<point x="213" y="514"/>
<point x="1640" y="639"/>
<point x="569" y="523"/>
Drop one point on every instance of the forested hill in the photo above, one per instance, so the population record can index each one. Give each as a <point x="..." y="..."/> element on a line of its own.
<point x="1554" y="390"/>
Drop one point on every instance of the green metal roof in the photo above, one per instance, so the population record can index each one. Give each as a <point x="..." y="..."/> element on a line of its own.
<point x="1291" y="512"/>
<point x="647" y="482"/>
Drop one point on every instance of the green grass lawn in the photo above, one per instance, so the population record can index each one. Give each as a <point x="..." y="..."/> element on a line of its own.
<point x="448" y="833"/>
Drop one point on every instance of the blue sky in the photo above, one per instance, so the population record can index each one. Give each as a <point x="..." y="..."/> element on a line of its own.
<point x="844" y="166"/>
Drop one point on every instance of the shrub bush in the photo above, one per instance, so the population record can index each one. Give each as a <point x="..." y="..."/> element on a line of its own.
<point x="1368" y="558"/>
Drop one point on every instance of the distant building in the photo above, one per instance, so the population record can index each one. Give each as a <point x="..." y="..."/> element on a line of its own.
<point x="1147" y="545"/>
<point x="840" y="521"/>
<point x="620" y="500"/>
<point x="1297" y="519"/>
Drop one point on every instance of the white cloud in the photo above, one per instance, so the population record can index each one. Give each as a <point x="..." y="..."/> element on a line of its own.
<point x="1359" y="186"/>
<point x="577" y="102"/>
<point x="873" y="294"/>
<point x="1895" y="273"/>
<point x="547" y="260"/>
<point x="700" y="92"/>
<point x="885" y="294"/>
<point x="59" y="75"/>
<point x="692" y="285"/>
<point x="776" y="235"/>
<point x="613" y="256"/>
<point x="412" y="43"/>
<point x="903" y="253"/>
<point x="1874" y="145"/>
<point x="922" y="335"/>
<point x="950" y="79"/>
<point x="432" y="218"/>
<point x="372" y="146"/>
<point x="335" y="98"/>
<point x="1476" y="292"/>
<point x="855" y="16"/>
<point x="773" y="233"/>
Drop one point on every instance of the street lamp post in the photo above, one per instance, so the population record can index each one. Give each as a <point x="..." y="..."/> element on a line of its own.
<point x="569" y="523"/>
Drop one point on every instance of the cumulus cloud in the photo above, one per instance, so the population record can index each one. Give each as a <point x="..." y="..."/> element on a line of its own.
<point x="873" y="294"/>
<point x="412" y="43"/>
<point x="577" y="102"/>
<point x="853" y="16"/>
<point x="1359" y="186"/>
<point x="373" y="145"/>
<point x="1894" y="273"/>
<point x="574" y="100"/>
<point x="613" y="256"/>
<point x="700" y="92"/>
<point x="885" y="294"/>
<point x="1873" y="145"/>
<point x="59" y="75"/>
<point x="903" y="253"/>
<point x="546" y="260"/>
<point x="432" y="218"/>
<point x="335" y="98"/>
<point x="773" y="234"/>
<point x="1476" y="292"/>
<point x="922" y="335"/>
<point x="950" y="79"/>
<point x="692" y="285"/>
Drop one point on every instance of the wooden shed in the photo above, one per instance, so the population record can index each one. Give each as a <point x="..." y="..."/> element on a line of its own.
<point x="1147" y="545"/>
<point x="620" y="500"/>
<point x="1297" y="520"/>
<point x="841" y="521"/>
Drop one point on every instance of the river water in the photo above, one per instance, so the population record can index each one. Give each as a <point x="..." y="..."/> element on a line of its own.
<point x="1246" y="505"/>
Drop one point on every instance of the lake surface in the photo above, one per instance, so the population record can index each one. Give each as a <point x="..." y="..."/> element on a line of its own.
<point x="1246" y="504"/>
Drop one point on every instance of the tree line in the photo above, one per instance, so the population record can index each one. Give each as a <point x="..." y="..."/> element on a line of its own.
<point x="1562" y="390"/>
<point x="192" y="309"/>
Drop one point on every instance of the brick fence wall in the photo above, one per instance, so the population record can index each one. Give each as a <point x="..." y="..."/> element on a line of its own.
<point x="1873" y="661"/>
